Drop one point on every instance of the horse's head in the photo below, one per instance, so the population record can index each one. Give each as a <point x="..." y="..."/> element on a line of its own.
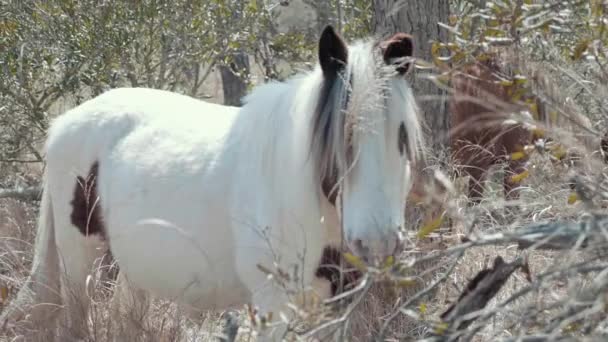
<point x="366" y="134"/>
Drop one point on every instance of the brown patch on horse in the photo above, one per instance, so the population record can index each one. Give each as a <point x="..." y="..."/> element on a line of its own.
<point x="398" y="46"/>
<point x="86" y="207"/>
<point x="330" y="269"/>
<point x="480" y="138"/>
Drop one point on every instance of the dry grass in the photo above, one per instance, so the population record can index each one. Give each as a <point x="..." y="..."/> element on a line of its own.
<point x="545" y="198"/>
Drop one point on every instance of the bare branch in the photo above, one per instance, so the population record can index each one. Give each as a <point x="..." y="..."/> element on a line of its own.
<point x="480" y="290"/>
<point x="31" y="193"/>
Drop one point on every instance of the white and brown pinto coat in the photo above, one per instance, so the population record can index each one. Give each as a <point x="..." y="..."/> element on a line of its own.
<point x="190" y="197"/>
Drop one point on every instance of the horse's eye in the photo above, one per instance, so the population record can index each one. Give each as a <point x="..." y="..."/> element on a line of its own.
<point x="402" y="143"/>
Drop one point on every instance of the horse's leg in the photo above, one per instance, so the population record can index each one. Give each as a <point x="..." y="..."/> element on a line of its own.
<point x="270" y="302"/>
<point x="474" y="160"/>
<point x="267" y="296"/>
<point x="77" y="251"/>
<point x="77" y="254"/>
<point x="129" y="305"/>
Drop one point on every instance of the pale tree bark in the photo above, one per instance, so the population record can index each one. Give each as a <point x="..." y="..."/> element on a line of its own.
<point x="235" y="77"/>
<point x="419" y="18"/>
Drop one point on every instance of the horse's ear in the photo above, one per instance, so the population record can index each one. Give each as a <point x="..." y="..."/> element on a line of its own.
<point x="397" y="50"/>
<point x="333" y="52"/>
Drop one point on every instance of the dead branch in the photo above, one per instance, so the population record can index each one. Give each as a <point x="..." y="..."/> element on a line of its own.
<point x="587" y="234"/>
<point x="468" y="315"/>
<point x="231" y="327"/>
<point x="480" y="290"/>
<point x="31" y="193"/>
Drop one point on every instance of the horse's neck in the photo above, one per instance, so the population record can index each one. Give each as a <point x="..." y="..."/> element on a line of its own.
<point x="272" y="138"/>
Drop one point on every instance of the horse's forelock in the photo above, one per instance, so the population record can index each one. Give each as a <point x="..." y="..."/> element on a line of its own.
<point x="329" y="132"/>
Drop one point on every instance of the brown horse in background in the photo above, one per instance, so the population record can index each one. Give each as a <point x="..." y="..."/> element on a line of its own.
<point x="484" y="133"/>
<point x="481" y="134"/>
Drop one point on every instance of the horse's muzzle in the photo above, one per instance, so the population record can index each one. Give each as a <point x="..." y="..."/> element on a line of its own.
<point x="375" y="250"/>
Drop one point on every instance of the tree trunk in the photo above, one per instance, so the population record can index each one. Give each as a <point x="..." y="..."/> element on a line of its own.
<point x="325" y="15"/>
<point x="235" y="79"/>
<point x="419" y="18"/>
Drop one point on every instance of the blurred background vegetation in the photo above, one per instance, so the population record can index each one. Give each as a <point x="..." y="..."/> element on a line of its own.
<point x="55" y="54"/>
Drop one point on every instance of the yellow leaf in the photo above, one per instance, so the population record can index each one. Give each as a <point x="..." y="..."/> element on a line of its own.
<point x="443" y="79"/>
<point x="422" y="308"/>
<point x="405" y="282"/>
<point x="553" y="116"/>
<point x="435" y="48"/>
<point x="538" y="133"/>
<point x="517" y="155"/>
<point x="440" y="328"/>
<point x="546" y="26"/>
<point x="534" y="110"/>
<point x="493" y="23"/>
<point x="506" y="83"/>
<point x="483" y="57"/>
<point x="559" y="152"/>
<point x="580" y="48"/>
<point x="459" y="56"/>
<point x="4" y="293"/>
<point x="570" y="328"/>
<point x="355" y="261"/>
<point x="492" y="32"/>
<point x="430" y="226"/>
<point x="520" y="80"/>
<point x="520" y="176"/>
<point x="453" y="19"/>
<point x="390" y="261"/>
<point x="572" y="198"/>
<point x="517" y="95"/>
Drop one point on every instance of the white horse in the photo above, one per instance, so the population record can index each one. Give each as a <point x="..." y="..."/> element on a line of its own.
<point x="192" y="197"/>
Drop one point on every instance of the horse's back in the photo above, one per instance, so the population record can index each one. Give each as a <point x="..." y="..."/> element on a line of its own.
<point x="119" y="111"/>
<point x="90" y="131"/>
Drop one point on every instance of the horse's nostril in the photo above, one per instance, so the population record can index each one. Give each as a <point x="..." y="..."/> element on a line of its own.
<point x="359" y="244"/>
